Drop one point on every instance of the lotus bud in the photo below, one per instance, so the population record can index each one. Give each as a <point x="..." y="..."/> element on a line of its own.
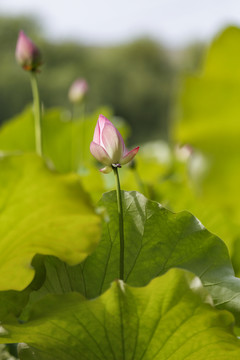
<point x="108" y="146"/>
<point x="27" y="53"/>
<point x="78" y="90"/>
<point x="183" y="152"/>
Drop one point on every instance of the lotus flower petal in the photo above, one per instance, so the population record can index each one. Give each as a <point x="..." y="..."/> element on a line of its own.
<point x="96" y="135"/>
<point x="102" y="120"/>
<point x="112" y="142"/>
<point x="106" y="169"/>
<point x="100" y="153"/>
<point x="129" y="156"/>
<point x="78" y="90"/>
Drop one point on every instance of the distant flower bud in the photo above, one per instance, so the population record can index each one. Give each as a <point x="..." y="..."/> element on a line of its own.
<point x="27" y="53"/>
<point x="108" y="146"/>
<point x="78" y="90"/>
<point x="183" y="152"/>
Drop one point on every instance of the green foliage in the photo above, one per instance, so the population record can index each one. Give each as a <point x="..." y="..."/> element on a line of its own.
<point x="70" y="305"/>
<point x="155" y="239"/>
<point x="161" y="321"/>
<point x="10" y="141"/>
<point x="210" y="113"/>
<point x="41" y="212"/>
<point x="13" y="302"/>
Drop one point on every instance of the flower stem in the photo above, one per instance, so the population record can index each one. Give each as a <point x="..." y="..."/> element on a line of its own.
<point x="120" y="217"/>
<point x="37" y="113"/>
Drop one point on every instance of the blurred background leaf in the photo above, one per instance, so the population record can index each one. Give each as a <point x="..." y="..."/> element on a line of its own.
<point x="210" y="124"/>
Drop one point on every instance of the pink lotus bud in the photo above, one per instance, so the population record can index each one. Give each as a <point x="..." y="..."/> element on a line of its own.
<point x="108" y="146"/>
<point x="27" y="54"/>
<point x="78" y="90"/>
<point x="183" y="152"/>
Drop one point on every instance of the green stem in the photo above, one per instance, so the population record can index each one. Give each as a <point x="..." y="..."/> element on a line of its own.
<point x="120" y="217"/>
<point x="37" y="113"/>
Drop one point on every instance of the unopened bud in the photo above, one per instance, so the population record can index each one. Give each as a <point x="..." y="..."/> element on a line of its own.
<point x="27" y="53"/>
<point x="78" y="90"/>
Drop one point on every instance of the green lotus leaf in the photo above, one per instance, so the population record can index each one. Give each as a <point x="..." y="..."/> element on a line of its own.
<point x="41" y="213"/>
<point x="210" y="124"/>
<point x="156" y="240"/>
<point x="164" y="320"/>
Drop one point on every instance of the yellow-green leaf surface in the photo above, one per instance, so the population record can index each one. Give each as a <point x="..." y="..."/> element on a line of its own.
<point x="156" y="240"/>
<point x="12" y="301"/>
<point x="41" y="212"/>
<point x="210" y="122"/>
<point x="162" y="321"/>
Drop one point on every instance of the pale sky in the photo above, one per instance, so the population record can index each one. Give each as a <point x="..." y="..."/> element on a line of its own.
<point x="175" y="22"/>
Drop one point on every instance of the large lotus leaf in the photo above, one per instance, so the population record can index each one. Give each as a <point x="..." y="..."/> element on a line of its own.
<point x="210" y="122"/>
<point x="12" y="301"/>
<point x="155" y="241"/>
<point x="164" y="320"/>
<point x="41" y="212"/>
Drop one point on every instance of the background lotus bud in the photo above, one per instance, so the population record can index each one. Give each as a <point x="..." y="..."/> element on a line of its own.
<point x="27" y="53"/>
<point x="183" y="152"/>
<point x="108" y="146"/>
<point x="78" y="90"/>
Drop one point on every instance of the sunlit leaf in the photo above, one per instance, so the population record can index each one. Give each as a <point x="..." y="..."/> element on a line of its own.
<point x="161" y="321"/>
<point x="155" y="241"/>
<point x="210" y="123"/>
<point x="41" y="212"/>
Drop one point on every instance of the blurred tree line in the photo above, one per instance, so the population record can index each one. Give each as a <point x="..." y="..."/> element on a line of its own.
<point x="138" y="80"/>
